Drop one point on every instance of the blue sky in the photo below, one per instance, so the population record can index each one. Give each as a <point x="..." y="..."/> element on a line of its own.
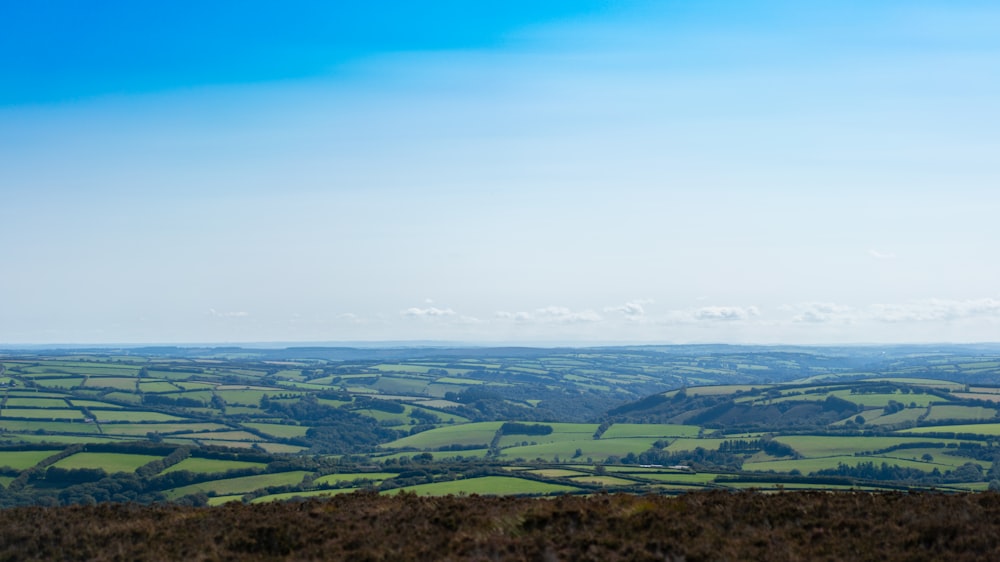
<point x="592" y="172"/>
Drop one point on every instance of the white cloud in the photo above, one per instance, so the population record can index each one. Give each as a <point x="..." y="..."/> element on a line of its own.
<point x="819" y="312"/>
<point x="726" y="313"/>
<point x="234" y="314"/>
<point x="633" y="310"/>
<point x="439" y="314"/>
<point x="429" y="312"/>
<point x="349" y="317"/>
<point x="552" y="315"/>
<point x="936" y="310"/>
<point x="881" y="255"/>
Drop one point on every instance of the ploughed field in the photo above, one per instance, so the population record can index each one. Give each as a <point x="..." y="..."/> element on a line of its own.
<point x="366" y="526"/>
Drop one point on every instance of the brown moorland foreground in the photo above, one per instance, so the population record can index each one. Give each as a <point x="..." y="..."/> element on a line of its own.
<point x="696" y="526"/>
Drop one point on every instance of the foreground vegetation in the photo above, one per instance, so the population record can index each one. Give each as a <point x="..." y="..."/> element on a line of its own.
<point x="698" y="526"/>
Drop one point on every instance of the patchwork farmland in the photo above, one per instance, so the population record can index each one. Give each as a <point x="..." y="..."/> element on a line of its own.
<point x="212" y="426"/>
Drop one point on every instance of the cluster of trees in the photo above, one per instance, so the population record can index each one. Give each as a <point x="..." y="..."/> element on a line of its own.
<point x="333" y="430"/>
<point x="968" y="472"/>
<point x="751" y="446"/>
<point x="167" y="401"/>
<point x="514" y="428"/>
<point x="698" y="459"/>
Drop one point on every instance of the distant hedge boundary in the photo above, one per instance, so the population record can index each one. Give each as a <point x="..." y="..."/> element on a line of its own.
<point x="365" y="526"/>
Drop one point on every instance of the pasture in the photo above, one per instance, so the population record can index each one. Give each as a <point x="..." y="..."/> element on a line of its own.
<point x="220" y="436"/>
<point x="285" y="496"/>
<point x="212" y="466"/>
<point x="942" y="413"/>
<point x="689" y="479"/>
<point x="117" y="383"/>
<point x="280" y="431"/>
<point x="602" y="480"/>
<point x="26" y="402"/>
<point x="813" y="446"/>
<point x="987" y="429"/>
<point x="463" y="435"/>
<point x="882" y="400"/>
<point x="582" y="449"/>
<point x="21" y="460"/>
<point x="109" y="462"/>
<point x="142" y="429"/>
<point x="657" y="430"/>
<point x="63" y="382"/>
<point x="95" y="404"/>
<point x="104" y="416"/>
<point x="338" y="478"/>
<point x="806" y="466"/>
<point x="241" y="485"/>
<point x="486" y="486"/>
<point x="42" y="413"/>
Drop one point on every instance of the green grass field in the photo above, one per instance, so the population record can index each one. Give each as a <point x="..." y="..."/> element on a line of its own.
<point x="20" y="460"/>
<point x="294" y="495"/>
<point x="214" y="442"/>
<point x="487" y="485"/>
<point x="247" y="397"/>
<point x="718" y="389"/>
<point x="222" y="500"/>
<point x="397" y="385"/>
<point x="352" y="476"/>
<point x="934" y="383"/>
<point x="281" y="448"/>
<point x="118" y="383"/>
<point x="221" y="436"/>
<point x="61" y="439"/>
<point x="882" y="400"/>
<point x="990" y="429"/>
<point x="134" y="416"/>
<point x="438" y="455"/>
<point x="26" y="402"/>
<point x="676" y="477"/>
<point x="65" y="382"/>
<point x="212" y="466"/>
<point x="95" y="404"/>
<point x="902" y="416"/>
<point x="279" y="430"/>
<point x="47" y="426"/>
<point x="560" y="432"/>
<point x="827" y="446"/>
<point x="597" y="450"/>
<point x="555" y="472"/>
<point x="686" y="444"/>
<point x="462" y="434"/>
<point x="127" y="397"/>
<point x="141" y="429"/>
<point x="805" y="466"/>
<point x="650" y="430"/>
<point x="43" y="413"/>
<point x="157" y="386"/>
<point x="109" y="462"/>
<point x="938" y="456"/>
<point x="602" y="480"/>
<point x="32" y="393"/>
<point x="240" y="485"/>
<point x="939" y="413"/>
<point x="195" y="385"/>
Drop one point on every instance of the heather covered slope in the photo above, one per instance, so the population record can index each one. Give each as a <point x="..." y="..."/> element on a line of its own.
<point x="697" y="526"/>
